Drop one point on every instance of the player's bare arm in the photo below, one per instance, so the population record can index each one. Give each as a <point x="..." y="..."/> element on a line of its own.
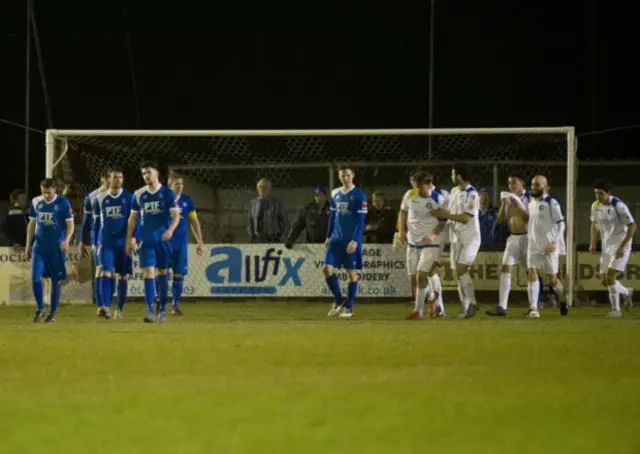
<point x="631" y="230"/>
<point x="196" y="229"/>
<point x="31" y="231"/>
<point x="501" y="212"/>
<point x="463" y="218"/>
<point x="175" y="220"/>
<point x="131" y="227"/>
<point x="402" y="227"/>
<point x="593" y="237"/>
<point x="67" y="238"/>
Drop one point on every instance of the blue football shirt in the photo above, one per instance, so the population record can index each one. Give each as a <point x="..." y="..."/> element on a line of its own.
<point x="155" y="212"/>
<point x="186" y="206"/>
<point x="87" y="229"/>
<point x="348" y="211"/>
<point x="111" y="213"/>
<point x="51" y="221"/>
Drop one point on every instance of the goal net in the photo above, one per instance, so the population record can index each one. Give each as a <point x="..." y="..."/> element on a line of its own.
<point x="221" y="169"/>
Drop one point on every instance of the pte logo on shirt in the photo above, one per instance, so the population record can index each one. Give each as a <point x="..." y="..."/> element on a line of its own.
<point x="114" y="212"/>
<point x="45" y="218"/>
<point x="152" y="207"/>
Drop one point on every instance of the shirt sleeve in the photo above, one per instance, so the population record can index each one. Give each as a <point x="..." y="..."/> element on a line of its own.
<point x="556" y="211"/>
<point x="404" y="205"/>
<point x="625" y="215"/>
<point x="135" y="205"/>
<point x="172" y="196"/>
<point x="32" y="210"/>
<point x="88" y="209"/>
<point x="361" y="206"/>
<point x="68" y="211"/>
<point x="592" y="213"/>
<point x="472" y="204"/>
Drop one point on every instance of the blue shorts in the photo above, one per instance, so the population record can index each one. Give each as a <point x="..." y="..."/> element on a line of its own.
<point x="180" y="258"/>
<point x="115" y="259"/>
<point x="337" y="257"/>
<point x="155" y="255"/>
<point x="50" y="264"/>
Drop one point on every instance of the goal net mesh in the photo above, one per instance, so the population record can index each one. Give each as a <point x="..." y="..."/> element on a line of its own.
<point x="221" y="173"/>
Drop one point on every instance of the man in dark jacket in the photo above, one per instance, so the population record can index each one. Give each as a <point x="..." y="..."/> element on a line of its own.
<point x="381" y="221"/>
<point x="15" y="226"/>
<point x="313" y="219"/>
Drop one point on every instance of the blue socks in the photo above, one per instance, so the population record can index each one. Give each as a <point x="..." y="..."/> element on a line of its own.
<point x="352" y="292"/>
<point x="55" y="296"/>
<point x="334" y="286"/>
<point x="150" y="293"/>
<point x="38" y="294"/>
<point x="106" y="290"/>
<point x="176" y="290"/>
<point x="541" y="293"/>
<point x="123" y="288"/>
<point x="97" y="291"/>
<point x="163" y="290"/>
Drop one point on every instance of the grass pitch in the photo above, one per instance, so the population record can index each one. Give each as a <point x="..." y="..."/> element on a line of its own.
<point x="283" y="378"/>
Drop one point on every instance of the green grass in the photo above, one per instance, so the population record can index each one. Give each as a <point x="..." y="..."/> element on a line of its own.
<point x="282" y="378"/>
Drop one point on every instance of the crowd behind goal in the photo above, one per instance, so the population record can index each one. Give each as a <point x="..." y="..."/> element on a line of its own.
<point x="156" y="220"/>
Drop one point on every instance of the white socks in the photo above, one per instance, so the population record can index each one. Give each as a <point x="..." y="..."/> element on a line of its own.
<point x="505" y="288"/>
<point x="622" y="290"/>
<point x="436" y="286"/>
<point x="559" y="289"/>
<point x="421" y="295"/>
<point x="465" y="283"/>
<point x="533" y="290"/>
<point x="614" y="298"/>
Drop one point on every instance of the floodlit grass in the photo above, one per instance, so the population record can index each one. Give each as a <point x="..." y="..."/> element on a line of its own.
<point x="283" y="378"/>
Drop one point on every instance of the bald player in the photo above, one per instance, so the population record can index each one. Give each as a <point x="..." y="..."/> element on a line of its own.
<point x="545" y="240"/>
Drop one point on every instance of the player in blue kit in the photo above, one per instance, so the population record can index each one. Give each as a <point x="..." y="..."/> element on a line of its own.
<point x="111" y="212"/>
<point x="179" y="242"/>
<point x="344" y="240"/>
<point x="87" y="235"/>
<point x="51" y="223"/>
<point x="159" y="214"/>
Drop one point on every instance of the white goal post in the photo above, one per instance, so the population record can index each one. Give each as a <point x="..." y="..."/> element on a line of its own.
<point x="230" y="161"/>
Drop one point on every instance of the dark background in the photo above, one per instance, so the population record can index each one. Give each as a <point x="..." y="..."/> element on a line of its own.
<point x="181" y="65"/>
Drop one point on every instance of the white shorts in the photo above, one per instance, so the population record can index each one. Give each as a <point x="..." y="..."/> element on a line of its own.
<point x="545" y="262"/>
<point x="608" y="260"/>
<point x="516" y="250"/>
<point x="463" y="254"/>
<point x="421" y="259"/>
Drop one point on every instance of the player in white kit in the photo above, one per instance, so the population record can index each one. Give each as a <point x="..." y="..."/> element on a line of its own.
<point x="465" y="241"/>
<point x="611" y="217"/>
<point x="514" y="210"/>
<point x="545" y="240"/>
<point x="422" y="239"/>
<point x="402" y="221"/>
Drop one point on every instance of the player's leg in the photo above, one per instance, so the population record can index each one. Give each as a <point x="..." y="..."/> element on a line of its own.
<point x="353" y="265"/>
<point x="163" y="257"/>
<point x="413" y="257"/>
<point x="147" y="257"/>
<point x="332" y="258"/>
<point x="97" y="292"/>
<point x="550" y="268"/>
<point x="107" y="259"/>
<point x="421" y="295"/>
<point x="413" y="279"/>
<point x="430" y="261"/>
<point x="37" y="271"/>
<point x="466" y="257"/>
<point x="616" y="289"/>
<point x="55" y="268"/>
<point x="123" y="269"/>
<point x="454" y="252"/>
<point x="179" y="265"/>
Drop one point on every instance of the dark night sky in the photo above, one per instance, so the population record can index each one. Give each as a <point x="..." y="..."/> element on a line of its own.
<point x="316" y="65"/>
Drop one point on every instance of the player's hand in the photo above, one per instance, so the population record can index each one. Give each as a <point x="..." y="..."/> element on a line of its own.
<point x="592" y="249"/>
<point x="551" y="247"/>
<point x="129" y="246"/>
<point x="402" y="237"/>
<point x="200" y="249"/>
<point x="619" y="252"/>
<point x="167" y="235"/>
<point x="64" y="246"/>
<point x="351" y="247"/>
<point x="429" y="239"/>
<point x="326" y="242"/>
<point x="27" y="252"/>
<point x="440" y="213"/>
<point x="134" y="244"/>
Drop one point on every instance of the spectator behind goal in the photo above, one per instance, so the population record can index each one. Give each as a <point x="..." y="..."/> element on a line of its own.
<point x="381" y="221"/>
<point x="15" y="226"/>
<point x="267" y="216"/>
<point x="313" y="219"/>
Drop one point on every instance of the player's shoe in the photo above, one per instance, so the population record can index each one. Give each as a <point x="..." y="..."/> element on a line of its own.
<point x="415" y="315"/>
<point x="347" y="313"/>
<point x="438" y="312"/>
<point x="564" y="309"/>
<point x="162" y="317"/>
<point x="149" y="318"/>
<point x="462" y="314"/>
<point x="118" y="315"/>
<point x="531" y="314"/>
<point x="471" y="312"/>
<point x="614" y="314"/>
<point x="38" y="315"/>
<point x="497" y="312"/>
<point x="107" y="313"/>
<point x="176" y="311"/>
<point x="51" y="318"/>
<point x="100" y="311"/>
<point x="336" y="308"/>
<point x="628" y="299"/>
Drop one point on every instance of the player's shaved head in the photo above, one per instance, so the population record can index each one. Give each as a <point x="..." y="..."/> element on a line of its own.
<point x="539" y="185"/>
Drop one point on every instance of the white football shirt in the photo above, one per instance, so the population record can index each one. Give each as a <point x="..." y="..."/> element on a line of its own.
<point x="545" y="217"/>
<point x="613" y="221"/>
<point x="466" y="201"/>
<point x="420" y="222"/>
